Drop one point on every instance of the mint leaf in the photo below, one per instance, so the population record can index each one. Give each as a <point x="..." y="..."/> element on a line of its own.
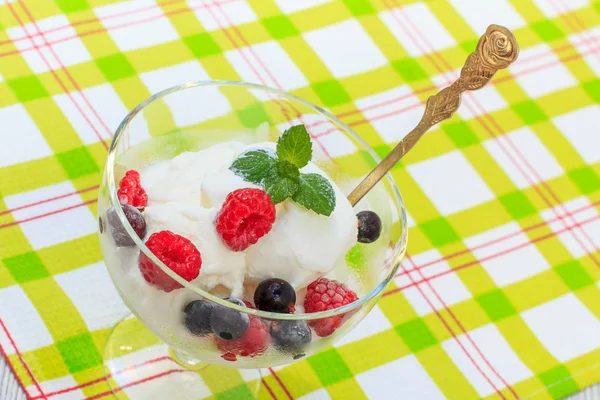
<point x="279" y="186"/>
<point x="315" y="193"/>
<point x="253" y="166"/>
<point x="295" y="146"/>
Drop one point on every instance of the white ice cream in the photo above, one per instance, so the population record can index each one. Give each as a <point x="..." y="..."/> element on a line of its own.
<point x="186" y="193"/>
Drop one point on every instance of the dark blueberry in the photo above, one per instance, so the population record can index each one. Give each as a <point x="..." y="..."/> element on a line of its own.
<point x="369" y="226"/>
<point x="291" y="336"/>
<point x="136" y="220"/>
<point x="229" y="324"/>
<point x="275" y="295"/>
<point x="197" y="317"/>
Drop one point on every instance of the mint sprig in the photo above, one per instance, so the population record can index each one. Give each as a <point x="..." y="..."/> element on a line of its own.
<point x="315" y="193"/>
<point x="279" y="174"/>
<point x="295" y="146"/>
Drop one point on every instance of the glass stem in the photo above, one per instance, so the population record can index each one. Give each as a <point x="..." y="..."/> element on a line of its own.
<point x="187" y="360"/>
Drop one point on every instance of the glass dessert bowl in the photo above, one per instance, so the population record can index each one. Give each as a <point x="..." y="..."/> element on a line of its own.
<point x="225" y="228"/>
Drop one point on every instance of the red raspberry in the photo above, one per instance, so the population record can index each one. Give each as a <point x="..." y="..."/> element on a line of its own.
<point x="251" y="344"/>
<point x="324" y="294"/>
<point x="246" y="216"/>
<point x="131" y="191"/>
<point x="177" y="252"/>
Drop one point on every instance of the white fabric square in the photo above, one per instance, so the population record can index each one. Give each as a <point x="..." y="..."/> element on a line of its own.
<point x="226" y="14"/>
<point x="184" y="105"/>
<point x="101" y="121"/>
<point x="581" y="128"/>
<point x="475" y="103"/>
<point x="447" y="285"/>
<point x="554" y="8"/>
<point x="23" y="141"/>
<point x="40" y="222"/>
<point x="581" y="240"/>
<point x="69" y="50"/>
<point x="451" y="182"/>
<point x="337" y="144"/>
<point x="550" y="75"/>
<point x="393" y="112"/>
<point x="320" y="394"/>
<point x="375" y="322"/>
<point x="577" y="333"/>
<point x="416" y="43"/>
<point x="345" y="48"/>
<point x="136" y="24"/>
<point x="290" y="6"/>
<point x="60" y="384"/>
<point x="511" y="257"/>
<point x="405" y="378"/>
<point x="22" y="322"/>
<point x="480" y="14"/>
<point x="586" y="43"/>
<point x="496" y="351"/>
<point x="543" y="163"/>
<point x="269" y="65"/>
<point x="94" y="295"/>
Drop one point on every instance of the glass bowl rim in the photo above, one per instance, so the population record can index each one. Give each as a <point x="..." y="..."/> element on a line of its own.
<point x="109" y="182"/>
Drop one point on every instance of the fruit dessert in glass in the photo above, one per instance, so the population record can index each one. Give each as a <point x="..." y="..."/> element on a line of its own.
<point x="228" y="234"/>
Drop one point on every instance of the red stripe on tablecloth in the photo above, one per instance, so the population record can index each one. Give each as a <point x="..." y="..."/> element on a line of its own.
<point x="66" y="71"/>
<point x="264" y="382"/>
<point x="92" y="382"/>
<point x="57" y="78"/>
<point x="285" y="389"/>
<point x="37" y="203"/>
<point x="14" y="345"/>
<point x="135" y="383"/>
<point x="85" y="203"/>
<point x="565" y="13"/>
<point x="450" y="330"/>
<point x="490" y="257"/>
<point x="432" y="89"/>
<point x="108" y="17"/>
<point x="502" y="238"/>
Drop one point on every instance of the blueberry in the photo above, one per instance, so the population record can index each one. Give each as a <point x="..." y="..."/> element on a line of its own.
<point x="369" y="226"/>
<point x="197" y="317"/>
<point x="229" y="324"/>
<point x="291" y="336"/>
<point x="136" y="220"/>
<point x="275" y="295"/>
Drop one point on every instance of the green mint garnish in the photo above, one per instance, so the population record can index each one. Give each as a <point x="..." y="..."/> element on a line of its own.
<point x="315" y="193"/>
<point x="280" y="176"/>
<point x="279" y="187"/>
<point x="253" y="165"/>
<point x="295" y="146"/>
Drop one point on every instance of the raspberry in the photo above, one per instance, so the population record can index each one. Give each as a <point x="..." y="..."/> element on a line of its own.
<point x="324" y="294"/>
<point x="177" y="253"/>
<point x="251" y="344"/>
<point x="131" y="191"/>
<point x="246" y="216"/>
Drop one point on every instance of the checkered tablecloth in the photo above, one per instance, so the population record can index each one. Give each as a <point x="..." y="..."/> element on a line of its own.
<point x="499" y="295"/>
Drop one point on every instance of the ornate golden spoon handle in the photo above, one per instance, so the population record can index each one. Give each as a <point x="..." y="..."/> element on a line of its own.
<point x="496" y="49"/>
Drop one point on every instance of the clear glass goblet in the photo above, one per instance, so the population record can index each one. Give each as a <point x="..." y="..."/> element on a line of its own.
<point x="150" y="354"/>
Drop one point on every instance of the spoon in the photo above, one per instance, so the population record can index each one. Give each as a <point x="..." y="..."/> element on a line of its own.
<point x="496" y="50"/>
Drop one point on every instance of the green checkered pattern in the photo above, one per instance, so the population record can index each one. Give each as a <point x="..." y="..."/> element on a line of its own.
<point x="532" y="176"/>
